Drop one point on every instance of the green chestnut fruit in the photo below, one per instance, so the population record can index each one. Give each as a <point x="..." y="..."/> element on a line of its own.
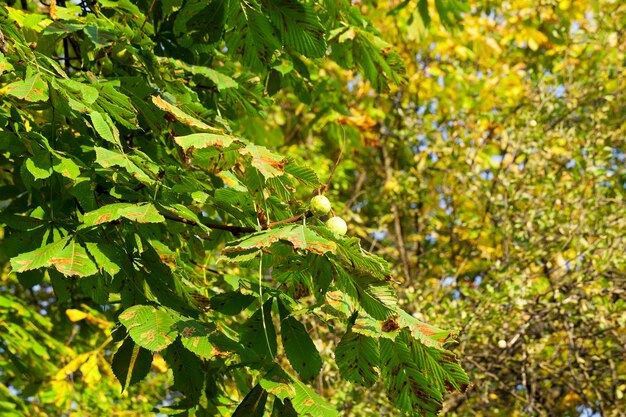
<point x="337" y="225"/>
<point x="320" y="205"/>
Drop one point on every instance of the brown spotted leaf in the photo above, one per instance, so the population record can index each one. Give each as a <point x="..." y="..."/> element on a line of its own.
<point x="32" y="88"/>
<point x="301" y="237"/>
<point x="181" y="116"/>
<point x="151" y="327"/>
<point x="205" y="340"/>
<point x="140" y="213"/>
<point x="357" y="357"/>
<point x="308" y="402"/>
<point x="204" y="140"/>
<point x="268" y="163"/>
<point x="73" y="260"/>
<point x="38" y="258"/>
<point x="426" y="333"/>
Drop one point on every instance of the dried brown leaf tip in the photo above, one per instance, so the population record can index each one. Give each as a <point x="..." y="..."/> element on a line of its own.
<point x="390" y="325"/>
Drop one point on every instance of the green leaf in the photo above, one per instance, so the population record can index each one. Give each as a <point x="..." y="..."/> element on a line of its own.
<point x="74" y="90"/>
<point x="278" y="383"/>
<point x="357" y="357"/>
<point x="205" y="340"/>
<point x="108" y="258"/>
<point x="408" y="387"/>
<point x="304" y="175"/>
<point x="131" y="363"/>
<point x="352" y="256"/>
<point x="307" y="402"/>
<point x="231" y="303"/>
<point x="195" y="337"/>
<point x="188" y="372"/>
<point x="39" y="257"/>
<point x="105" y="127"/>
<point x="299" y="26"/>
<point x="256" y="336"/>
<point x="299" y="347"/>
<point x="283" y="409"/>
<point x="150" y="327"/>
<point x="107" y="159"/>
<point x="422" y="6"/>
<point x="65" y="166"/>
<point x="221" y="81"/>
<point x="451" y="11"/>
<point x="426" y="333"/>
<point x="253" y="405"/>
<point x="100" y="38"/>
<point x="40" y="165"/>
<point x="377" y="297"/>
<point x="254" y="38"/>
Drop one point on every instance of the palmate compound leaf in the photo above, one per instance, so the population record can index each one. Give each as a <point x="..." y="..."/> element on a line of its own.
<point x="358" y="357"/>
<point x="253" y="405"/>
<point x="131" y="363"/>
<point x="299" y="348"/>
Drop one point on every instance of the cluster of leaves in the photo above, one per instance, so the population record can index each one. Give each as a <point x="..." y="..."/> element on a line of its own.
<point x="128" y="174"/>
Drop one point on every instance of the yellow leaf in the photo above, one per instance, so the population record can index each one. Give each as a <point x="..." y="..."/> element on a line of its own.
<point x="91" y="373"/>
<point x="159" y="364"/>
<point x="75" y="315"/>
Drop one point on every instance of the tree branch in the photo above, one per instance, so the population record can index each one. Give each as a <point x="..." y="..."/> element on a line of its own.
<point x="234" y="229"/>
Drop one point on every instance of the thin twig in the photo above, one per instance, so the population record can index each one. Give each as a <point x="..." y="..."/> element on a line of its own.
<point x="233" y="228"/>
<point x="147" y="14"/>
<point x="332" y="172"/>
